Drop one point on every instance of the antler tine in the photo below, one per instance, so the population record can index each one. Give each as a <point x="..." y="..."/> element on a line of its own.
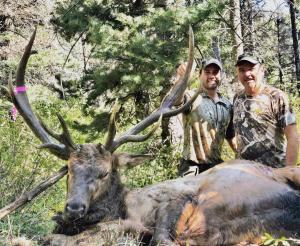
<point x="20" y="100"/>
<point x="64" y="137"/>
<point x="137" y="138"/>
<point x="47" y="129"/>
<point x="165" y="108"/>
<point x="112" y="126"/>
<point x="184" y="107"/>
<point x="20" y="81"/>
<point x="179" y="88"/>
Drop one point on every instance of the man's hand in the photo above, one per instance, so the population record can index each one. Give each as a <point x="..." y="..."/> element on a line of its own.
<point x="181" y="70"/>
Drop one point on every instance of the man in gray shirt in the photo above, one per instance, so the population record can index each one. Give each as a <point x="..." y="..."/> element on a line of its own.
<point x="207" y="123"/>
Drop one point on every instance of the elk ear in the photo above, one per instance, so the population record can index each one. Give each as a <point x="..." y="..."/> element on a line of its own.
<point x="129" y="160"/>
<point x="102" y="150"/>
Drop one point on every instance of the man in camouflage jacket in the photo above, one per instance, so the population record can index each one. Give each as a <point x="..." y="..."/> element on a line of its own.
<point x="264" y="123"/>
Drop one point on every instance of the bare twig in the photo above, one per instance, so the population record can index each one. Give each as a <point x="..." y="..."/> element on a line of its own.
<point x="76" y="41"/>
<point x="28" y="196"/>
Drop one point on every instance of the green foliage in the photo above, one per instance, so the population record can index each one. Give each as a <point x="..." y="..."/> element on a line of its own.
<point x="23" y="166"/>
<point x="162" y="167"/>
<point x="136" y="51"/>
<point x="270" y="241"/>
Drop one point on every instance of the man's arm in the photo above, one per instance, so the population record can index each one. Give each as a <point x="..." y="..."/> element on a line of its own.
<point x="293" y="142"/>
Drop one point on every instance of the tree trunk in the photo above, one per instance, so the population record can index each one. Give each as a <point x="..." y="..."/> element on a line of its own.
<point x="235" y="17"/>
<point x="160" y="4"/>
<point x="247" y="25"/>
<point x="216" y="48"/>
<point x="295" y="43"/>
<point x="165" y="132"/>
<point x="137" y="8"/>
<point x="4" y="42"/>
<point x="3" y="26"/>
<point x="142" y="100"/>
<point x="279" y="51"/>
<point x="165" y="124"/>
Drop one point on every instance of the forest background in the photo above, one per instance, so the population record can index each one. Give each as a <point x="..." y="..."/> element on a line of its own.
<point x="89" y="52"/>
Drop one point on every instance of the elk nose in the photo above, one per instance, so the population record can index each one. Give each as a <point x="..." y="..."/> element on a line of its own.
<point x="75" y="210"/>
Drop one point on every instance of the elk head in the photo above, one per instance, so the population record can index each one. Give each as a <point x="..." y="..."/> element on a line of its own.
<point x="92" y="171"/>
<point x="91" y="167"/>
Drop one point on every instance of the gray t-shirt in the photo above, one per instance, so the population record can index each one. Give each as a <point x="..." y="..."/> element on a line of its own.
<point x="206" y="126"/>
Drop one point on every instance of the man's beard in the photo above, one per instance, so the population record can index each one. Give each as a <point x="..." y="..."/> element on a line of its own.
<point x="211" y="86"/>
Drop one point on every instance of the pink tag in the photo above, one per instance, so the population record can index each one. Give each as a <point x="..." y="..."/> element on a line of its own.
<point x="20" y="89"/>
<point x="13" y="113"/>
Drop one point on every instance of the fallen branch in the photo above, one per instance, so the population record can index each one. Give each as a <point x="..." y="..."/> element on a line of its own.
<point x="28" y="196"/>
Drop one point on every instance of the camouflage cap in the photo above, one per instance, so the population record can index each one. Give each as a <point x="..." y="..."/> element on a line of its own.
<point x="248" y="58"/>
<point x="211" y="61"/>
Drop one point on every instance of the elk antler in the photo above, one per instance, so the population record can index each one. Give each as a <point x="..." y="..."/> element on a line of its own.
<point x="20" y="100"/>
<point x="165" y="110"/>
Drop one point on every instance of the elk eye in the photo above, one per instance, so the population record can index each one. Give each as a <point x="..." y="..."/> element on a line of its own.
<point x="101" y="174"/>
<point x="104" y="174"/>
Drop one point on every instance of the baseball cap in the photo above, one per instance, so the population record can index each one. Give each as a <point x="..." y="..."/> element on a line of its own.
<point x="211" y="61"/>
<point x="248" y="58"/>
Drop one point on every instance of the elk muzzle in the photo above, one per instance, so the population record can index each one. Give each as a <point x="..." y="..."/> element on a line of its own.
<point x="75" y="209"/>
<point x="79" y="196"/>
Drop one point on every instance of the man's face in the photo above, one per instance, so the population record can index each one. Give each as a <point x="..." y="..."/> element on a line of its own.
<point x="251" y="76"/>
<point x="210" y="77"/>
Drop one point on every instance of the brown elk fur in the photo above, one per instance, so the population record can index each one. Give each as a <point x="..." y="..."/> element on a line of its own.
<point x="232" y="202"/>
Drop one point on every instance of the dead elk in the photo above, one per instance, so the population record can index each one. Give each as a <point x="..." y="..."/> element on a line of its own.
<point x="232" y="202"/>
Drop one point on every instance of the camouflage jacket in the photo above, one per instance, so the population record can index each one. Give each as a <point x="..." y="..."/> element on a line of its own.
<point x="206" y="126"/>
<point x="259" y="122"/>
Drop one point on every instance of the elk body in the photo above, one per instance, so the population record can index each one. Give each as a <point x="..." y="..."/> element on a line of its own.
<point x="232" y="202"/>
